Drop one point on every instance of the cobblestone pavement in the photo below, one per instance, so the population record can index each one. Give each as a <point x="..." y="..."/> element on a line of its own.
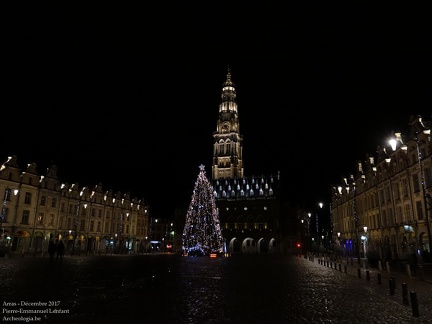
<point x="173" y="289"/>
<point x="417" y="286"/>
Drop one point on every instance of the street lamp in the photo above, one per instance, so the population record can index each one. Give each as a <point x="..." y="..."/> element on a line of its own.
<point x="425" y="194"/>
<point x="339" y="243"/>
<point x="88" y="246"/>
<point x="16" y="191"/>
<point x="356" y="221"/>
<point x="321" y="205"/>
<point x="3" y="211"/>
<point x="309" y="231"/>
<point x="76" y="223"/>
<point x="364" y="239"/>
<point x="427" y="217"/>
<point x="75" y="228"/>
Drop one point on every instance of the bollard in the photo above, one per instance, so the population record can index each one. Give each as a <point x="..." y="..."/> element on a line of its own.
<point x="388" y="266"/>
<point x="351" y="261"/>
<point x="367" y="275"/>
<point x="414" y="304"/>
<point x="345" y="268"/>
<point x="394" y="282"/>
<point x="359" y="272"/>
<point x="379" y="278"/>
<point x="405" y="294"/>
<point x="408" y="270"/>
<point x="391" y="287"/>
<point x="379" y="265"/>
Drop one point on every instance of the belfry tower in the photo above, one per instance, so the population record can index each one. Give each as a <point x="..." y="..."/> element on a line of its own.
<point x="227" y="144"/>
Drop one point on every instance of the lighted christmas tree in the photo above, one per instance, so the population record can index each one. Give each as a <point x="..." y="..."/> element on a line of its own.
<point x="202" y="233"/>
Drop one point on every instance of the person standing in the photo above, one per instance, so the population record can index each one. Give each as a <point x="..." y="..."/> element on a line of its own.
<point x="51" y="249"/>
<point x="60" y="250"/>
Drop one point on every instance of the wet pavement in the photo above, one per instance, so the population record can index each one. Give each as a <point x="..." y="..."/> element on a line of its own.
<point x="163" y="288"/>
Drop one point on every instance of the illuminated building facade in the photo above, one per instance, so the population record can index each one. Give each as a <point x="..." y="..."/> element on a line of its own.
<point x="88" y="220"/>
<point x="252" y="213"/>
<point x="382" y="211"/>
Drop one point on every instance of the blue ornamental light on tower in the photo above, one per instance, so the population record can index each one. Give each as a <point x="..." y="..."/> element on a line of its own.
<point x="202" y="233"/>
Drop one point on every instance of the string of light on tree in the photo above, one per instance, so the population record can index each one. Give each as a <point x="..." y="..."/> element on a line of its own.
<point x="202" y="234"/>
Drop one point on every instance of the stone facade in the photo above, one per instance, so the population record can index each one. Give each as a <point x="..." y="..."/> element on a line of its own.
<point x="88" y="220"/>
<point x="383" y="209"/>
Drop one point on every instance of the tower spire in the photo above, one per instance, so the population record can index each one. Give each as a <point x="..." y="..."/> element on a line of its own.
<point x="227" y="144"/>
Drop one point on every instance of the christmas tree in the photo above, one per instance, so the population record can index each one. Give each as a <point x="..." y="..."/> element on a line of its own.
<point x="202" y="233"/>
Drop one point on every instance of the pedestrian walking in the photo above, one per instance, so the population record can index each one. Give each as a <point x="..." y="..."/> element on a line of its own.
<point x="51" y="249"/>
<point x="60" y="250"/>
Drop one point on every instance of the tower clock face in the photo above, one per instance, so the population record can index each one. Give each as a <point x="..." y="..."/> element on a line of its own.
<point x="225" y="128"/>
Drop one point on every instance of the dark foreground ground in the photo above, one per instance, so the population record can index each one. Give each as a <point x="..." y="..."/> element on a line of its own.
<point x="173" y="289"/>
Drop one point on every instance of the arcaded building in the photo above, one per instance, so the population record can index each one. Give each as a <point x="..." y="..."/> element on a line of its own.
<point x="252" y="212"/>
<point x="37" y="208"/>
<point x="383" y="209"/>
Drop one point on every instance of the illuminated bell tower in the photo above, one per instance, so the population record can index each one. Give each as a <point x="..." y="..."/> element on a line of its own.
<point x="227" y="144"/>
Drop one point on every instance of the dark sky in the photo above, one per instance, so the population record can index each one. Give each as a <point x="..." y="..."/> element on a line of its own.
<point x="128" y="96"/>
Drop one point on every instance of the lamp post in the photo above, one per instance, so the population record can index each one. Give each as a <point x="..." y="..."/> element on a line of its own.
<point x="425" y="194"/>
<point x="321" y="205"/>
<point x="3" y="212"/>
<point x="76" y="223"/>
<point x="393" y="144"/>
<point x="75" y="227"/>
<point x="16" y="192"/>
<point x="2" y="218"/>
<point x="128" y="237"/>
<point x="120" y="231"/>
<point x="364" y="239"/>
<point x="323" y="242"/>
<point x="357" y="238"/>
<point x="427" y="218"/>
<point x="340" y="249"/>
<point x="309" y="232"/>
<point x="86" y="247"/>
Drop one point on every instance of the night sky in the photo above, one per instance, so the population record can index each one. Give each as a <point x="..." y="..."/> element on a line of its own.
<point x="128" y="96"/>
